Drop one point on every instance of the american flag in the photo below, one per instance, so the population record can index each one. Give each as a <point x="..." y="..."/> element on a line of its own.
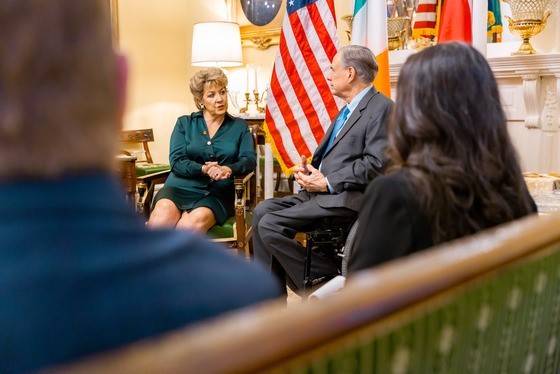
<point x="425" y="18"/>
<point x="300" y="106"/>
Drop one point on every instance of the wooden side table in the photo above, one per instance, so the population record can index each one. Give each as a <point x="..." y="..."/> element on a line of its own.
<point x="127" y="171"/>
<point x="270" y="166"/>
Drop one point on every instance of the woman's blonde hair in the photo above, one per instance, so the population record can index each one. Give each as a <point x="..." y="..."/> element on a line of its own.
<point x="204" y="77"/>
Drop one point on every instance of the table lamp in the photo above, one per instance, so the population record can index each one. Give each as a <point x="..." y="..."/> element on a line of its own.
<point x="216" y="44"/>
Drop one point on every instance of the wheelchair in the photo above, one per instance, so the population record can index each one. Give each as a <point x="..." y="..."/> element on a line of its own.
<point x="332" y="238"/>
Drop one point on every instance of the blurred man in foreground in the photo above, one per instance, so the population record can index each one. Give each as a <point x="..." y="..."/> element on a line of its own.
<point x="79" y="271"/>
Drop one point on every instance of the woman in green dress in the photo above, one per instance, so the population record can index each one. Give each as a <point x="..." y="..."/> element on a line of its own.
<point x="207" y="149"/>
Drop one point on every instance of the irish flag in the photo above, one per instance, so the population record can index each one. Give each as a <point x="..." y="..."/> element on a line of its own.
<point x="369" y="28"/>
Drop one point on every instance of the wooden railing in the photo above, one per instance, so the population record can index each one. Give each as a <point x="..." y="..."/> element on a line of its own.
<point x="488" y="303"/>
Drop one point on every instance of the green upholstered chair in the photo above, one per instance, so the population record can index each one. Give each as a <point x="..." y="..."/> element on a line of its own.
<point x="148" y="173"/>
<point x="236" y="231"/>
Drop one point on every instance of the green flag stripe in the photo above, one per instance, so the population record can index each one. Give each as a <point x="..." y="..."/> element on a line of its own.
<point x="359" y="4"/>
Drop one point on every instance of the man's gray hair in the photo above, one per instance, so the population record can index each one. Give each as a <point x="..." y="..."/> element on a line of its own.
<point x="361" y="59"/>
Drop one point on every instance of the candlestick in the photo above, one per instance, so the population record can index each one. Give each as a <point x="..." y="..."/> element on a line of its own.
<point x="257" y="101"/>
<point x="247" y="100"/>
<point x="255" y="88"/>
<point x="247" y="76"/>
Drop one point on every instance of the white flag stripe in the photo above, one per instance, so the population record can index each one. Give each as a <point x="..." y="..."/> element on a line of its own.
<point x="370" y="26"/>
<point x="425" y="17"/>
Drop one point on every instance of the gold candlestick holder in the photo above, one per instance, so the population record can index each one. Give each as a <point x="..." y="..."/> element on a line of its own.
<point x="247" y="101"/>
<point x="257" y="101"/>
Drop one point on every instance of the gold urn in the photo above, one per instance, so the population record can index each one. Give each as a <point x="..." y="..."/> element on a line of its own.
<point x="397" y="32"/>
<point x="528" y="19"/>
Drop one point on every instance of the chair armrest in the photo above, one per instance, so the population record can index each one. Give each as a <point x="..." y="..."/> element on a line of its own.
<point x="245" y="199"/>
<point x="150" y="181"/>
<point x="158" y="177"/>
<point x="244" y="189"/>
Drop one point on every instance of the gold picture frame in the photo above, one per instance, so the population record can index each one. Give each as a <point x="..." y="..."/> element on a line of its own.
<point x="260" y="37"/>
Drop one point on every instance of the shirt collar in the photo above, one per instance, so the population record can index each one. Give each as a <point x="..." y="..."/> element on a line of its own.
<point x="356" y="100"/>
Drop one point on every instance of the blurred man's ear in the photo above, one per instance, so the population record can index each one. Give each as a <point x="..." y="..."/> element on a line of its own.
<point x="122" y="79"/>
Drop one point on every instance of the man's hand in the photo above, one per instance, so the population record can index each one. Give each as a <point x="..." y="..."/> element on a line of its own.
<point x="313" y="182"/>
<point x="302" y="167"/>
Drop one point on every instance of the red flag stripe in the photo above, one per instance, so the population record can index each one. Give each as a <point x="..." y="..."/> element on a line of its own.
<point x="426" y="8"/>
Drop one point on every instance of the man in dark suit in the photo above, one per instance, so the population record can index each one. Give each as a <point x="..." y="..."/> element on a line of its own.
<point x="347" y="159"/>
<point x="80" y="272"/>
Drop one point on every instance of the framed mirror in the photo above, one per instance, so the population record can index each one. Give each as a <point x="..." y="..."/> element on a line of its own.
<point x="260" y="12"/>
<point x="261" y="22"/>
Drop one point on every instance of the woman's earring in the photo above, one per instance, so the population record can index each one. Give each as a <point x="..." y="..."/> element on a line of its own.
<point x="201" y="105"/>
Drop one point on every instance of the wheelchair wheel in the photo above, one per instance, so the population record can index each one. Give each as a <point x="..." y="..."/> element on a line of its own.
<point x="348" y="248"/>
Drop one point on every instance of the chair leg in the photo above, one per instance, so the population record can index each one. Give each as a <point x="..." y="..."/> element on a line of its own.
<point x="307" y="280"/>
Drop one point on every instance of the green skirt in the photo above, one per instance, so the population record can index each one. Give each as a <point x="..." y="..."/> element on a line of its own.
<point x="187" y="201"/>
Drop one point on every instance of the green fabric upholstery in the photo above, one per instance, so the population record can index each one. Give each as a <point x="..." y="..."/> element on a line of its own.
<point x="148" y="168"/>
<point x="226" y="230"/>
<point x="274" y="162"/>
<point x="506" y="323"/>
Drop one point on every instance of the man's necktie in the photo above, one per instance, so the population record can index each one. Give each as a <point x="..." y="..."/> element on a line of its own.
<point x="337" y="126"/>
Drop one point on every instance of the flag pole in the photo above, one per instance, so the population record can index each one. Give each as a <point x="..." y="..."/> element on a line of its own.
<point x="479" y="25"/>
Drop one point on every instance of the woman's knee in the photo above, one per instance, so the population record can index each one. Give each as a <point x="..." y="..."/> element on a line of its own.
<point x="200" y="219"/>
<point x="165" y="212"/>
<point x="166" y="205"/>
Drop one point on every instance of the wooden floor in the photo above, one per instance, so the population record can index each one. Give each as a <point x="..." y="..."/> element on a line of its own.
<point x="293" y="298"/>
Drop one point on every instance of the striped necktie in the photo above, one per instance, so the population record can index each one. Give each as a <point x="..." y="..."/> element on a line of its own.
<point x="338" y="126"/>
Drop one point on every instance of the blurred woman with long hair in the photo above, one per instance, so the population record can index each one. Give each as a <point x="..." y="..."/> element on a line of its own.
<point x="453" y="170"/>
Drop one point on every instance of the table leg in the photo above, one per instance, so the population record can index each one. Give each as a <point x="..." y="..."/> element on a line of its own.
<point x="268" y="172"/>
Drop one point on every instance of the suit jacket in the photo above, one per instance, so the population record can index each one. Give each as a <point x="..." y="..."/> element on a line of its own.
<point x="391" y="223"/>
<point x="80" y="273"/>
<point x="357" y="154"/>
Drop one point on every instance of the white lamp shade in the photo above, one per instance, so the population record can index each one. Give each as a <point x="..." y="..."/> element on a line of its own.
<point x="216" y="44"/>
